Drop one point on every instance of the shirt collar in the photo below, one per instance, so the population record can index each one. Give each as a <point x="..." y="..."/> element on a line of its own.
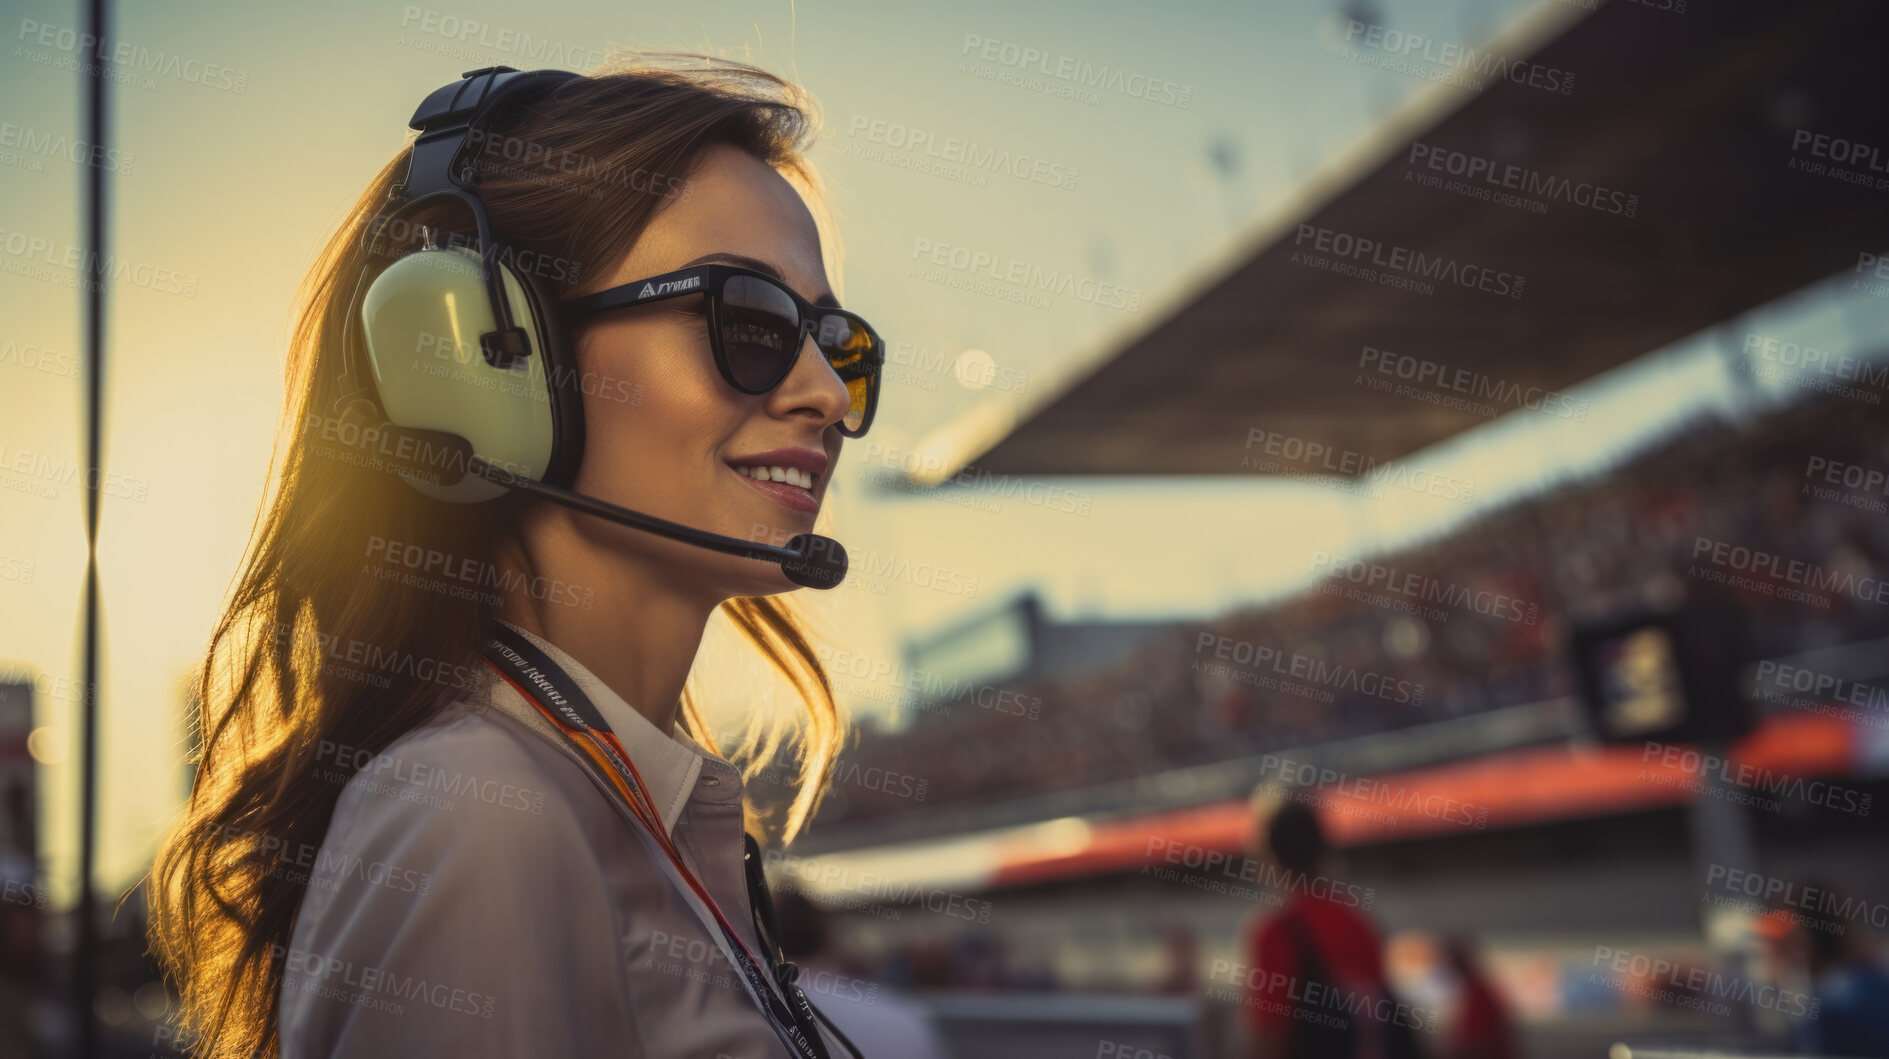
<point x="668" y="765"/>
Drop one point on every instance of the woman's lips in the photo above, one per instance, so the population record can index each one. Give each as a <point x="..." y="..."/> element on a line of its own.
<point x="788" y="495"/>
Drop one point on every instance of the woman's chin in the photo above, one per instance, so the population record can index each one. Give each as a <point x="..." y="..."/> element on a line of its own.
<point x="771" y="581"/>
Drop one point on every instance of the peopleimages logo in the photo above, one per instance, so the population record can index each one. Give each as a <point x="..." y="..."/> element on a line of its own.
<point x="1777" y="681"/>
<point x="1014" y="279"/>
<point x="968" y="153"/>
<point x="926" y="684"/>
<point x="1729" y="772"/>
<point x="1421" y="586"/>
<point x="831" y="879"/>
<point x="1323" y="1003"/>
<point x="1850" y="484"/>
<point x="470" y="39"/>
<point x="1773" y="892"/>
<point x="531" y="161"/>
<point x="1769" y="565"/>
<point x="55" y="145"/>
<point x="1697" y="987"/>
<point x="322" y="868"/>
<point x="18" y="892"/>
<point x="1076" y="72"/>
<point x="369" y="986"/>
<point x="1305" y="460"/>
<point x="1787" y="354"/>
<point x="1308" y="778"/>
<point x="420" y="776"/>
<point x="1377" y="367"/>
<point x="901" y="464"/>
<point x="786" y="770"/>
<point x="1400" y="266"/>
<point x="1246" y="869"/>
<point x="374" y="663"/>
<point x="1478" y="64"/>
<point x="1312" y="671"/>
<point x="1527" y="187"/>
<point x="39" y="358"/>
<point x="41" y="257"/>
<point x="1839" y="150"/>
<point x="429" y="568"/>
<point x="45" y="685"/>
<point x="35" y="473"/>
<point x="128" y="59"/>
<point x="874" y="571"/>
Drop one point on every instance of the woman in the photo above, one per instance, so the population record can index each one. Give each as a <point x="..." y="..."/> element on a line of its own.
<point x="393" y="846"/>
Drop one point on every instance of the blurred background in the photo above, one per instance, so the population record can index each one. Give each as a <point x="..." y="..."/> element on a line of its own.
<point x="1461" y="419"/>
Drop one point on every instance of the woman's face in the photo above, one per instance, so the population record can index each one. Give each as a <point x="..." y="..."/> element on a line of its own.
<point x="667" y="435"/>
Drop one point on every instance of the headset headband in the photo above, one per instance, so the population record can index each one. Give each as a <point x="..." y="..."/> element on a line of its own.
<point x="447" y="118"/>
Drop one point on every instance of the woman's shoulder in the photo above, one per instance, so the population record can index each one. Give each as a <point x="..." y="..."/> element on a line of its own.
<point x="460" y="882"/>
<point x="465" y="780"/>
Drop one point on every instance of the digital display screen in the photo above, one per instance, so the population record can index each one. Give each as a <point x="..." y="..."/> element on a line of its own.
<point x="1640" y="684"/>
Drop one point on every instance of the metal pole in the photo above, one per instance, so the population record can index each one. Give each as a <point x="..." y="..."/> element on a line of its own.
<point x="85" y="953"/>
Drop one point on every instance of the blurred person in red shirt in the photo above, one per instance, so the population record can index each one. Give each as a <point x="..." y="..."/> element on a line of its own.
<point x="1316" y="983"/>
<point x="1483" y="1028"/>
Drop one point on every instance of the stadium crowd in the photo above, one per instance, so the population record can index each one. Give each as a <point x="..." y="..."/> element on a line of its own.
<point x="1469" y="622"/>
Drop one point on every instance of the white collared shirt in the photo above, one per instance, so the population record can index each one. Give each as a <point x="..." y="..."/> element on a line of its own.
<point x="669" y="765"/>
<point x="478" y="894"/>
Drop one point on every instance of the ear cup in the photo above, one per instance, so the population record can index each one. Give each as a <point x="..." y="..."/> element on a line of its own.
<point x="422" y="318"/>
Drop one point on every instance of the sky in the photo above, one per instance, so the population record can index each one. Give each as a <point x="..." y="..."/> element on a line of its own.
<point x="233" y="165"/>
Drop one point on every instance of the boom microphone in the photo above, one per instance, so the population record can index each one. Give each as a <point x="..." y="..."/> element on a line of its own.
<point x="808" y="560"/>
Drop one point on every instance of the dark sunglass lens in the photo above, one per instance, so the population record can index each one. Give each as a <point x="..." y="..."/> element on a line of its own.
<point x="759" y="326"/>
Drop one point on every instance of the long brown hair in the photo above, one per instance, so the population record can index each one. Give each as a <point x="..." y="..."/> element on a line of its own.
<point x="314" y="650"/>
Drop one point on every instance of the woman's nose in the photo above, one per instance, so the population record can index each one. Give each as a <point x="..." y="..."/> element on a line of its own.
<point x="812" y="384"/>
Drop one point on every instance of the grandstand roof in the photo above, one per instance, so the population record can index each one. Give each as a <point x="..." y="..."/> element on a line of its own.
<point x="1705" y="120"/>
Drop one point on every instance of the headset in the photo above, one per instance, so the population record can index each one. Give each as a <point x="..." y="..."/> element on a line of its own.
<point x="456" y="357"/>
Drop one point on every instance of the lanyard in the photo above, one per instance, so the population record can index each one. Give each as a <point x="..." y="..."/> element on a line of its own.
<point x="545" y="684"/>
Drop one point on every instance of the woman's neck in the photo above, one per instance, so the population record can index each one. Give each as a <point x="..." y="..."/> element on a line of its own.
<point x="636" y="632"/>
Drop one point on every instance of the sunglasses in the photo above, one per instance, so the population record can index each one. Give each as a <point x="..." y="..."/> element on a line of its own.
<point x="756" y="326"/>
